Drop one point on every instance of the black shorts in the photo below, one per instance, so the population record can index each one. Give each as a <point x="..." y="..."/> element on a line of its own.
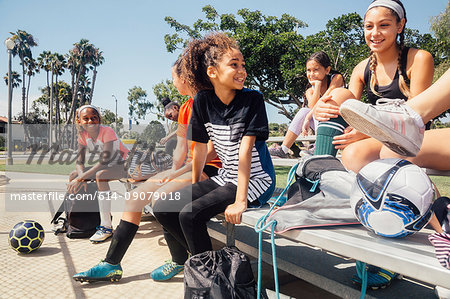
<point x="210" y="171"/>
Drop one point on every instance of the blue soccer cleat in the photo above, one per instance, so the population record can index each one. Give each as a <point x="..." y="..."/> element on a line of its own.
<point x="166" y="271"/>
<point x="377" y="278"/>
<point x="103" y="271"/>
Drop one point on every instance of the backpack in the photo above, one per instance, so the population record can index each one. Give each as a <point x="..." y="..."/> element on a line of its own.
<point x="308" y="175"/>
<point x="82" y="214"/>
<point x="225" y="273"/>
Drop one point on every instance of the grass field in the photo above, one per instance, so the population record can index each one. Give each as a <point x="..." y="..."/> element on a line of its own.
<point x="442" y="183"/>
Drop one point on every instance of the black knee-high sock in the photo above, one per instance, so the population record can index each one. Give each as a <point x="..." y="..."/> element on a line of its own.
<point x="121" y="240"/>
<point x="326" y="130"/>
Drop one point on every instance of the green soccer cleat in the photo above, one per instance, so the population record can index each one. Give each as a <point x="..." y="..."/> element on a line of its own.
<point x="103" y="271"/>
<point x="166" y="271"/>
<point x="377" y="278"/>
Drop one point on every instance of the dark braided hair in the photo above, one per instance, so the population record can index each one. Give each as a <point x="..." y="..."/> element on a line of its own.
<point x="373" y="59"/>
<point x="323" y="59"/>
<point x="203" y="53"/>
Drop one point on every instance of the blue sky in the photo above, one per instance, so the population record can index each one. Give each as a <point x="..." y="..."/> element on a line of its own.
<point x="131" y="36"/>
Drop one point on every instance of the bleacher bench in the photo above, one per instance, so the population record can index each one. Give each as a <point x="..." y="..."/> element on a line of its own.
<point x="326" y="257"/>
<point x="306" y="254"/>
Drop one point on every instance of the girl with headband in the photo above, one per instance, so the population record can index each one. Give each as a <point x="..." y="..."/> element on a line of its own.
<point x="392" y="71"/>
<point x="100" y="140"/>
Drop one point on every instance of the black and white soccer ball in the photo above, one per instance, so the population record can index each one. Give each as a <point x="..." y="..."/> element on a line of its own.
<point x="26" y="236"/>
<point x="392" y="197"/>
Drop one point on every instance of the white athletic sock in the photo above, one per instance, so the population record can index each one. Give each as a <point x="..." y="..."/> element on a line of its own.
<point x="285" y="148"/>
<point x="104" y="206"/>
<point x="417" y="118"/>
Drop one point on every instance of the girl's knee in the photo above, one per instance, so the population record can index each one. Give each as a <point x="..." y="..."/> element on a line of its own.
<point x="347" y="155"/>
<point x="186" y="216"/>
<point x="353" y="157"/>
<point x="340" y="95"/>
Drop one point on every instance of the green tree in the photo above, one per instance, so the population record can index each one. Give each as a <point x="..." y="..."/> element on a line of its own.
<point x="64" y="99"/>
<point x="153" y="132"/>
<point x="23" y="44"/>
<point x="440" y="26"/>
<point x="275" y="51"/>
<point x="63" y="96"/>
<point x="166" y="89"/>
<point x="138" y="105"/>
<point x="109" y="118"/>
<point x="277" y="129"/>
<point x="268" y="44"/>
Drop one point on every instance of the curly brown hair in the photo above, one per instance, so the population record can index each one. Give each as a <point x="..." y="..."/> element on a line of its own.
<point x="203" y="53"/>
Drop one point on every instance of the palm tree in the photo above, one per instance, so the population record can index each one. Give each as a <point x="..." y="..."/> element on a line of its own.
<point x="32" y="69"/>
<point x="81" y="56"/>
<point x="84" y="90"/>
<point x="97" y="60"/>
<point x="45" y="62"/>
<point x="15" y="79"/>
<point x="59" y="65"/>
<point x="24" y="41"/>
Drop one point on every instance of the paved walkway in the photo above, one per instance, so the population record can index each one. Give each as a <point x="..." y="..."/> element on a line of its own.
<point x="47" y="272"/>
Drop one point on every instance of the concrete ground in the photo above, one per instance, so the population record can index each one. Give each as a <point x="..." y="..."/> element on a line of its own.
<point x="47" y="272"/>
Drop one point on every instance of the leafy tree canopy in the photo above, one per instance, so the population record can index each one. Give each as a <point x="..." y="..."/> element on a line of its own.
<point x="275" y="52"/>
<point x="138" y="105"/>
<point x="166" y="89"/>
<point x="153" y="132"/>
<point x="109" y="118"/>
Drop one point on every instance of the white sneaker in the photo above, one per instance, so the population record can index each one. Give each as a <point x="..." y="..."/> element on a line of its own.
<point x="102" y="234"/>
<point x="390" y="121"/>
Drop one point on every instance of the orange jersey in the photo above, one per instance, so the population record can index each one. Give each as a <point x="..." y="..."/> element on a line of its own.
<point x="184" y="116"/>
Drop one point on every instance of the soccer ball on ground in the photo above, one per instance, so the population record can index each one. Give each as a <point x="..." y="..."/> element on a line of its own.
<point x="26" y="236"/>
<point x="392" y="197"/>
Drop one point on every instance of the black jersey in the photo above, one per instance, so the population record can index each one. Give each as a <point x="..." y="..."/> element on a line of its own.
<point x="225" y="125"/>
<point x="391" y="91"/>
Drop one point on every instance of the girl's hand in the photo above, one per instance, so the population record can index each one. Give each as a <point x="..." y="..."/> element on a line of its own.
<point x="326" y="109"/>
<point x="316" y="83"/>
<point x="75" y="186"/>
<point x="305" y="127"/>
<point x="168" y="178"/>
<point x="350" y="135"/>
<point x="163" y="141"/>
<point x="233" y="213"/>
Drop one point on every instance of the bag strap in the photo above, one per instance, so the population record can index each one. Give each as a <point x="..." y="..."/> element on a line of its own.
<point x="59" y="212"/>
<point x="261" y="225"/>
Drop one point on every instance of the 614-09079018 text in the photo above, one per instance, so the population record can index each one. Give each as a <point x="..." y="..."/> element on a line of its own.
<point x="154" y="195"/>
